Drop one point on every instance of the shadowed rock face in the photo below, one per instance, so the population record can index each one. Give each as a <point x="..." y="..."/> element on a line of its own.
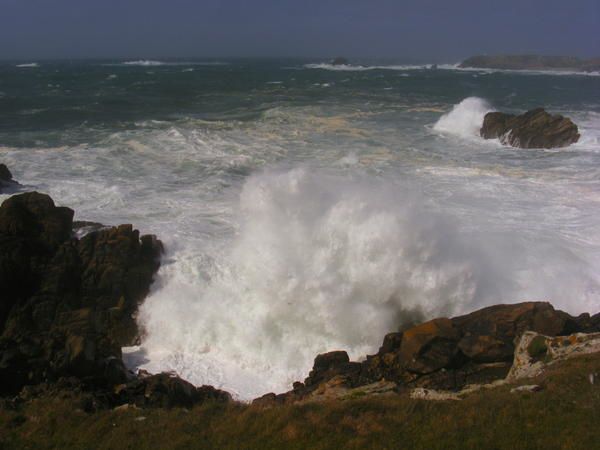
<point x="67" y="306"/>
<point x="6" y="178"/>
<point x="164" y="390"/>
<point x="5" y="174"/>
<point x="442" y="353"/>
<point x="534" y="129"/>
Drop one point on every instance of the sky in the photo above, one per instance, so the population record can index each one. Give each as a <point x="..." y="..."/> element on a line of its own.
<point x="441" y="30"/>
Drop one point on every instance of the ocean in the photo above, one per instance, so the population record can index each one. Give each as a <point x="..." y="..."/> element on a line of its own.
<point x="307" y="207"/>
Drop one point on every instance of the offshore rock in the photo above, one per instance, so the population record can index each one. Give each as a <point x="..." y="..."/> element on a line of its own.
<point x="533" y="129"/>
<point x="67" y="305"/>
<point x="6" y="178"/>
<point x="340" y="61"/>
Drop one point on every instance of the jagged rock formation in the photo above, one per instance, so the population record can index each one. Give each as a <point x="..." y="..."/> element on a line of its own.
<point x="531" y="62"/>
<point x="67" y="304"/>
<point x="442" y="354"/>
<point x="534" y="129"/>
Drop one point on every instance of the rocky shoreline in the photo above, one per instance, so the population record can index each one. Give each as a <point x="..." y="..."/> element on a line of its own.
<point x="70" y="298"/>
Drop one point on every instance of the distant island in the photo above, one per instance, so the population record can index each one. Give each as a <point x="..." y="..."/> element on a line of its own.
<point x="532" y="62"/>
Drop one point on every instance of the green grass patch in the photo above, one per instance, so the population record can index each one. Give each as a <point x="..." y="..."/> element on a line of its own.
<point x="564" y="415"/>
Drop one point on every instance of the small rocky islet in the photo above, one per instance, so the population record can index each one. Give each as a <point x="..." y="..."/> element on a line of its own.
<point x="534" y="129"/>
<point x="69" y="304"/>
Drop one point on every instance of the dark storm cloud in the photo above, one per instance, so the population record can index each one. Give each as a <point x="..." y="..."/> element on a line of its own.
<point x="428" y="29"/>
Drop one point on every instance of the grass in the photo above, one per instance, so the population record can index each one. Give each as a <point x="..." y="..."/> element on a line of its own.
<point x="564" y="415"/>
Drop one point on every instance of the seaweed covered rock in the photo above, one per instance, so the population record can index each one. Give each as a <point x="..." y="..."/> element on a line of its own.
<point x="67" y="305"/>
<point x="533" y="129"/>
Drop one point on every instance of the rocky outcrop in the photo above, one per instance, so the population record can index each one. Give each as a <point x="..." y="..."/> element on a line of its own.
<point x="67" y="305"/>
<point x="165" y="390"/>
<point x="339" y="61"/>
<point x="6" y="179"/>
<point x="442" y="354"/>
<point x="534" y="129"/>
<point x="531" y="62"/>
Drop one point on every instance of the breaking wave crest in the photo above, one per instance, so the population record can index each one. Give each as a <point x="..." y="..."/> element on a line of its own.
<point x="319" y="263"/>
<point x="465" y="119"/>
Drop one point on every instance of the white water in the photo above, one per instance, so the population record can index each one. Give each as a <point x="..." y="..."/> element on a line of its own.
<point x="344" y="228"/>
<point x="465" y="119"/>
<point x="453" y="67"/>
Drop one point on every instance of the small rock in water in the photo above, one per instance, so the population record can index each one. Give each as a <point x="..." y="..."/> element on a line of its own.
<point x="534" y="129"/>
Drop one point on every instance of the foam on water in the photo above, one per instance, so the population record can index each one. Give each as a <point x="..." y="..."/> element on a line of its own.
<point x="318" y="263"/>
<point x="311" y="220"/>
<point x="360" y="68"/>
<point x="465" y="119"/>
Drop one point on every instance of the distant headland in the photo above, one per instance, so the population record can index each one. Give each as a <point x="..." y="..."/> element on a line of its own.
<point x="532" y="62"/>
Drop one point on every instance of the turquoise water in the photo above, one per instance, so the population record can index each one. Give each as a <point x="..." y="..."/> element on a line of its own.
<point x="307" y="207"/>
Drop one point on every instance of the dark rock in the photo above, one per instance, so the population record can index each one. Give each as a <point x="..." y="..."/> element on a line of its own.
<point x="165" y="390"/>
<point x="391" y="342"/>
<point x="34" y="216"/>
<point x="7" y="183"/>
<point x="444" y="353"/>
<point x="82" y="227"/>
<point x="5" y="174"/>
<point x="430" y="346"/>
<point x="534" y="129"/>
<point x="507" y="322"/>
<point x="339" y="61"/>
<point x="67" y="305"/>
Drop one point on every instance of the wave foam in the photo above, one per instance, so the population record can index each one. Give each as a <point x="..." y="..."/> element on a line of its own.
<point x="319" y="263"/>
<point x="28" y="65"/>
<point x="144" y="62"/>
<point x="465" y="119"/>
<point x="359" y="68"/>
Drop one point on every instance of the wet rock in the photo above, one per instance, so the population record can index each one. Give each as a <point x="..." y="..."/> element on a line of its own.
<point x="5" y="175"/>
<point x="534" y="129"/>
<point x="329" y="365"/>
<point x="6" y="179"/>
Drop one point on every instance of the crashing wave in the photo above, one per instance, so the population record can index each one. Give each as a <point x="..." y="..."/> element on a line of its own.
<point x="465" y="119"/>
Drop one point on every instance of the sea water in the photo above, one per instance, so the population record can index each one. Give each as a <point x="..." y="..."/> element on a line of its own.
<point x="307" y="207"/>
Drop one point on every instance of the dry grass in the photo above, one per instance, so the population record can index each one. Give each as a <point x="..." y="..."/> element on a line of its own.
<point x="564" y="415"/>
